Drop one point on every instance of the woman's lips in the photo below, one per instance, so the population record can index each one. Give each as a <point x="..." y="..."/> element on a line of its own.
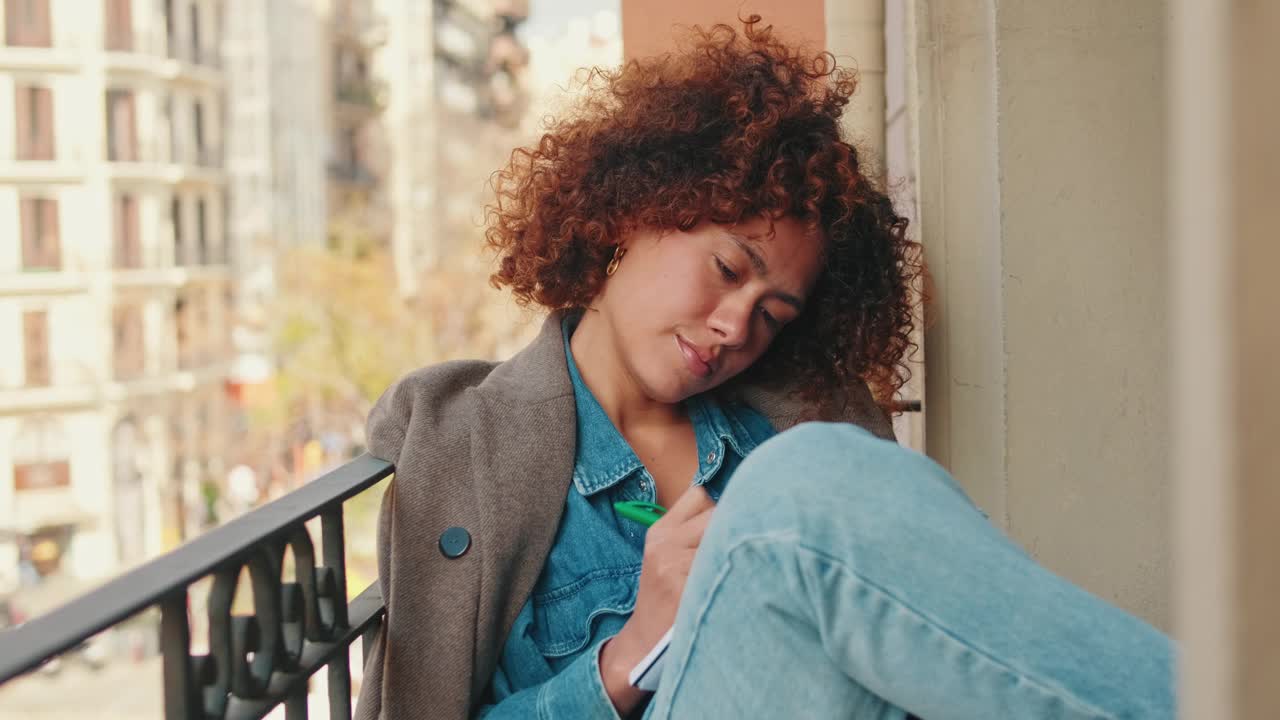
<point x="691" y="358"/>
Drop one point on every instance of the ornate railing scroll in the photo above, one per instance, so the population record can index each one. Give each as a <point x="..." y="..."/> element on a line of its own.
<point x="256" y="661"/>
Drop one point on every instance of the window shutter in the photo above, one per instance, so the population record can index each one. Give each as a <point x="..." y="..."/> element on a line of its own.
<point x="113" y="144"/>
<point x="38" y="31"/>
<point x="202" y="232"/>
<point x="27" y="23"/>
<point x="117" y="233"/>
<point x="118" y="341"/>
<point x="195" y="33"/>
<point x="133" y="252"/>
<point x="35" y="342"/>
<point x="51" y="235"/>
<point x="179" y="246"/>
<point x="43" y="99"/>
<point x="30" y="238"/>
<point x="130" y="128"/>
<point x="128" y="254"/>
<point x="23" y="134"/>
<point x="121" y="136"/>
<point x="12" y="26"/>
<point x="119" y="25"/>
<point x="127" y="322"/>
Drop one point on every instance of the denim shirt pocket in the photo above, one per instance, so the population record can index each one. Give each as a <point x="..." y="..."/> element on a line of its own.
<point x="565" y="617"/>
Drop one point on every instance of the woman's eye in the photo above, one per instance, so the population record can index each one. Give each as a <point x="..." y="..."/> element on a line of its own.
<point x="726" y="272"/>
<point x="769" y="319"/>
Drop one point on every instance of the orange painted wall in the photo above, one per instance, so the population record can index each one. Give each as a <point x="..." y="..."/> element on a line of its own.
<point x="648" y="25"/>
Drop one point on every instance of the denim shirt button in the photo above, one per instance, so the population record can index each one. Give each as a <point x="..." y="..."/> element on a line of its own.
<point x="711" y="457"/>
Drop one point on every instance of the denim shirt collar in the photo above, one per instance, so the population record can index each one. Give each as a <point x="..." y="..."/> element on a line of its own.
<point x="603" y="457"/>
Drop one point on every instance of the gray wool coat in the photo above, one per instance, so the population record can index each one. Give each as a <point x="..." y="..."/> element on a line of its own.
<point x="489" y="448"/>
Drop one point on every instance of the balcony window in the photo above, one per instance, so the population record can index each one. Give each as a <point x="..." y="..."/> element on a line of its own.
<point x="33" y="120"/>
<point x="35" y="347"/>
<point x="171" y="127"/>
<point x="179" y="242"/>
<point x="197" y="122"/>
<point x="128" y="342"/>
<point x="170" y="29"/>
<point x="195" y="32"/>
<point x="41" y="453"/>
<point x="26" y="23"/>
<point x="182" y="332"/>
<point x="128" y="247"/>
<point x="122" y="132"/>
<point x="202" y="233"/>
<point x="119" y="25"/>
<point x="224" y="235"/>
<point x="41" y="244"/>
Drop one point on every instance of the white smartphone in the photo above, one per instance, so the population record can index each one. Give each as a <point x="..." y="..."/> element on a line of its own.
<point x="646" y="674"/>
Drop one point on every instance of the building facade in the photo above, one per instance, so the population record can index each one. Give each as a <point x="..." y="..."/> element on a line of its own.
<point x="360" y="146"/>
<point x="455" y="96"/>
<point x="114" y="281"/>
<point x="275" y="57"/>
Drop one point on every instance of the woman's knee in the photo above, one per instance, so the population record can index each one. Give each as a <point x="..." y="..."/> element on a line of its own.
<point x="841" y="465"/>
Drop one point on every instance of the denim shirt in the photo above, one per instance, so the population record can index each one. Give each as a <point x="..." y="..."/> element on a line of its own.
<point x="549" y="667"/>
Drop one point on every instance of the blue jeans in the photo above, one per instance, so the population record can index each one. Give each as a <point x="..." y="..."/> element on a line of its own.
<point x="845" y="576"/>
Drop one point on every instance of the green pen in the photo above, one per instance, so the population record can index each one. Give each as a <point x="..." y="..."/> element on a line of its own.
<point x="645" y="513"/>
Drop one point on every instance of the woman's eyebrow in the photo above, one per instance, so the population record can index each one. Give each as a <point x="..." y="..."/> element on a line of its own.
<point x="762" y="269"/>
<point x="757" y="262"/>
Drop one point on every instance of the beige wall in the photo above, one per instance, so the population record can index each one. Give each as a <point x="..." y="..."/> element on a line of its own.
<point x="647" y="25"/>
<point x="1254" y="298"/>
<point x="1040" y="130"/>
<point x="1225" y="168"/>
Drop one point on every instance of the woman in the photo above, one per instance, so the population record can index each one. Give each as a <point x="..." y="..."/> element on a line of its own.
<point x="718" y="268"/>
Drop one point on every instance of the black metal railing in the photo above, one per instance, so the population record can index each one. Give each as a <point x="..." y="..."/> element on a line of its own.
<point x="255" y="661"/>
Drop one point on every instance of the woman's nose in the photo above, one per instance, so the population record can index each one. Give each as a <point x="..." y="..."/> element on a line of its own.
<point x="732" y="324"/>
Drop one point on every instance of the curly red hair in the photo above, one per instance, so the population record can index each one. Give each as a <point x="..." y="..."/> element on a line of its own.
<point x="736" y="125"/>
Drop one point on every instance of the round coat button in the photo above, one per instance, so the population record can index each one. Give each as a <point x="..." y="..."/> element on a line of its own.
<point x="455" y="542"/>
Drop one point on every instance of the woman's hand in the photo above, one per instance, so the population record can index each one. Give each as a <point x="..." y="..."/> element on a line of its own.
<point x="669" y="548"/>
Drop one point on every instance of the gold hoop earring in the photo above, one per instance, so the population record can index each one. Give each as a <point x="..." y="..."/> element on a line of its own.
<point x="617" y="258"/>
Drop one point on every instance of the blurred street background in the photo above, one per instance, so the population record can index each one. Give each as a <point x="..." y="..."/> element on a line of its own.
<point x="227" y="226"/>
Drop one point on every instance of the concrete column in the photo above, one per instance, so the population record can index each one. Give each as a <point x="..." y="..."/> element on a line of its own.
<point x="1225" y="160"/>
<point x="1041" y="149"/>
<point x="953" y="103"/>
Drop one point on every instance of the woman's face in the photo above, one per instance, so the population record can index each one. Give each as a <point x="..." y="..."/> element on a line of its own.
<point x="690" y="310"/>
